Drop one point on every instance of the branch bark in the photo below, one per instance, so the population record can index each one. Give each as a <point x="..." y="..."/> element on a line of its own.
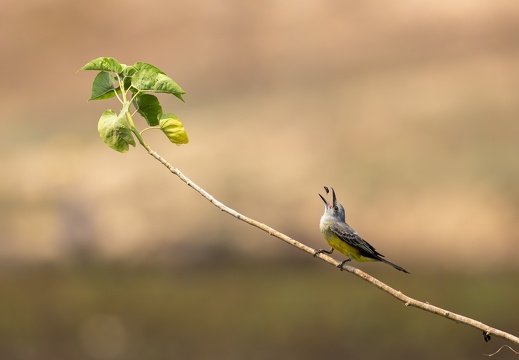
<point x="408" y="301"/>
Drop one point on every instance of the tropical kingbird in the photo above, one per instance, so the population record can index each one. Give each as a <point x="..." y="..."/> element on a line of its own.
<point x="342" y="237"/>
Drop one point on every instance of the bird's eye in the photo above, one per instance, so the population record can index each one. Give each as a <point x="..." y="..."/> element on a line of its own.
<point x="336" y="208"/>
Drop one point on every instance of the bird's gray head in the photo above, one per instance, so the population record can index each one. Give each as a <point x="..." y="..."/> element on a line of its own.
<point x="334" y="210"/>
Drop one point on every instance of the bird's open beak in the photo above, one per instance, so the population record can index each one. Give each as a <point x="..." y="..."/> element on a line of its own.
<point x="334" y="198"/>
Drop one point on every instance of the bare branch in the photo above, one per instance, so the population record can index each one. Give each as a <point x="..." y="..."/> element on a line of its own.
<point x="408" y="301"/>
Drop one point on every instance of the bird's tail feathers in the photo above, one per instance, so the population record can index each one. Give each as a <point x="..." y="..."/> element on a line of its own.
<point x="394" y="265"/>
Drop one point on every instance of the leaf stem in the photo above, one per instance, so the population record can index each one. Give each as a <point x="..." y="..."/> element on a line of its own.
<point x="121" y="86"/>
<point x="117" y="96"/>
<point x="139" y="137"/>
<point x="148" y="128"/>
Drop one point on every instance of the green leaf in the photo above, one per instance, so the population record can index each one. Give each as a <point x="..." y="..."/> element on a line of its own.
<point x="128" y="84"/>
<point x="145" y="66"/>
<point x="165" y="84"/>
<point x="114" y="130"/>
<point x="103" y="86"/>
<point x="144" y="79"/>
<point x="104" y="64"/>
<point x="173" y="128"/>
<point x="150" y="78"/>
<point x="125" y="77"/>
<point x="149" y="108"/>
<point x="128" y="70"/>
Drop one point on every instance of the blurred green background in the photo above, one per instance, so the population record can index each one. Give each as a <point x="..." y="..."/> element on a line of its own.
<point x="409" y="110"/>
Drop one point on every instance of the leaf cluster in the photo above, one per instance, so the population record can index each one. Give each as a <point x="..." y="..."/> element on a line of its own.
<point x="132" y="86"/>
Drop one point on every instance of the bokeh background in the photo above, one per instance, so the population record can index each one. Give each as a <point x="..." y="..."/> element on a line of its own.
<point x="408" y="109"/>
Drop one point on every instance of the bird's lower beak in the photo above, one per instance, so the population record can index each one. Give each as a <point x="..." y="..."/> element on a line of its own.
<point x="325" y="202"/>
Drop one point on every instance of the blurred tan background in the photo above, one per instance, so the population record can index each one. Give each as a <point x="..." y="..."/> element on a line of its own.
<point x="409" y="110"/>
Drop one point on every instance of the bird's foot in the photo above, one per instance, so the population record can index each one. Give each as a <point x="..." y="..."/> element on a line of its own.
<point x="340" y="266"/>
<point x="321" y="251"/>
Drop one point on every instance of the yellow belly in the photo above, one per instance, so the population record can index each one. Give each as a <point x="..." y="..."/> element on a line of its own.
<point x="343" y="247"/>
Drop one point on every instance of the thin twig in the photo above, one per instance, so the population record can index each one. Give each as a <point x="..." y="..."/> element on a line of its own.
<point x="408" y="301"/>
<point x="498" y="350"/>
